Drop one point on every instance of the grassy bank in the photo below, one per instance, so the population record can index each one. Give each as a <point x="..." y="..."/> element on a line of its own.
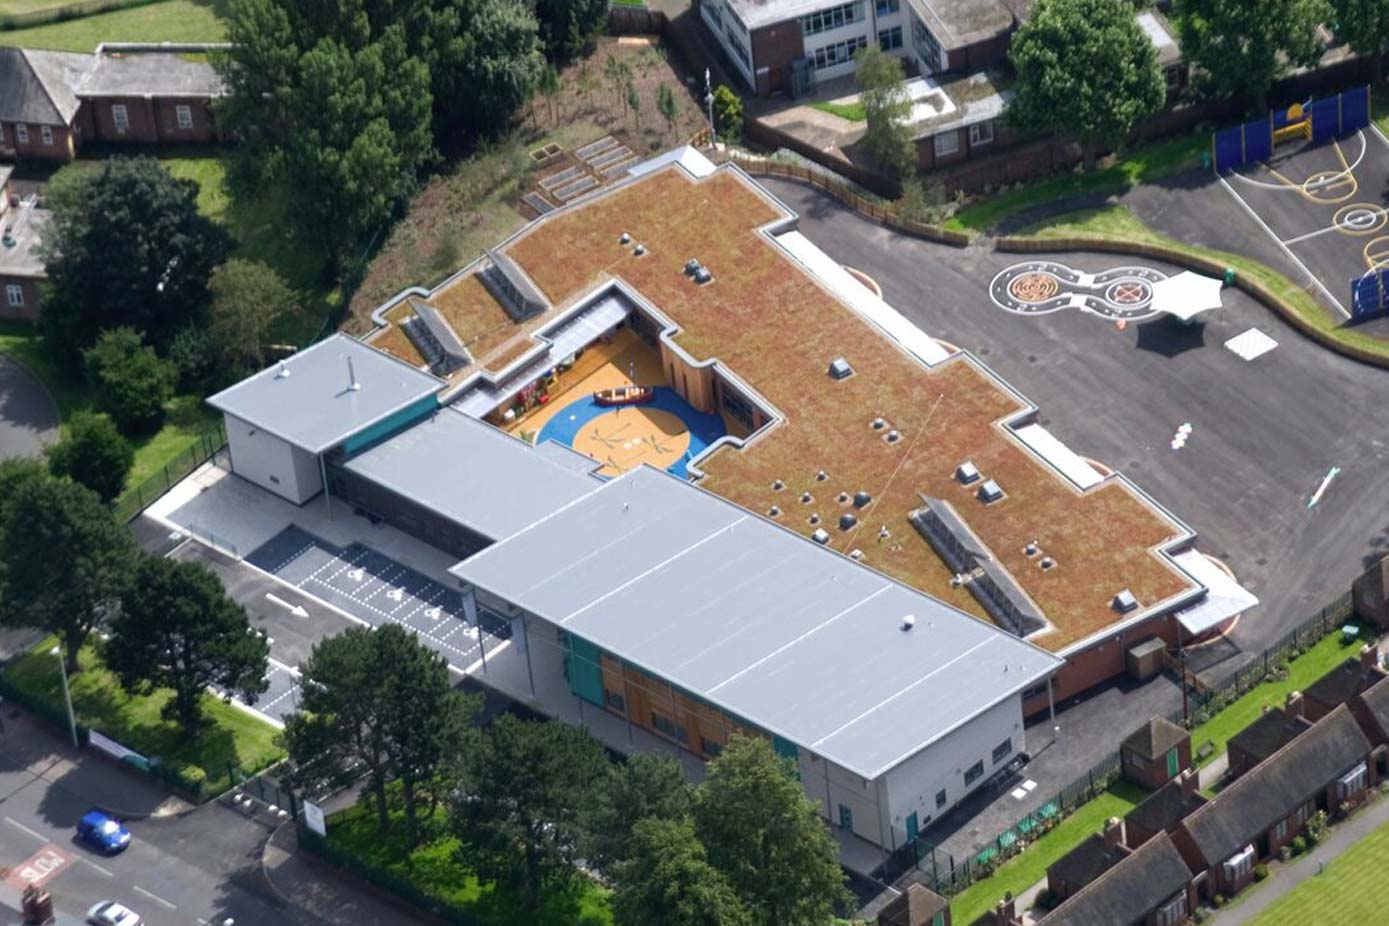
<point x="169" y="21"/>
<point x="1117" y="223"/>
<point x="1346" y="892"/>
<point x="230" y="735"/>
<point x="852" y="111"/>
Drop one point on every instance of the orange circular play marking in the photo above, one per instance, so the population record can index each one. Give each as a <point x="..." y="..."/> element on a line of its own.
<point x="625" y="438"/>
<point x="1377" y="252"/>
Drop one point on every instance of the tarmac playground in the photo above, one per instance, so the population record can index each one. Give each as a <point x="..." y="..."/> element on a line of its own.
<point x="1326" y="205"/>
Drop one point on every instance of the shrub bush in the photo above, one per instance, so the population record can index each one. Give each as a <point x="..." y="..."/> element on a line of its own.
<point x="1299" y="845"/>
<point x="1218" y="900"/>
<point x="1285" y="853"/>
<point x="1260" y="872"/>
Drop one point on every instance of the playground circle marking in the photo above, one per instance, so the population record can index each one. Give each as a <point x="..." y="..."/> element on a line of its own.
<point x="1323" y="182"/>
<point x="1034" y="287"/>
<point x="1040" y="287"/>
<point x="1360" y="219"/>
<point x="1283" y="185"/>
<point x="1129" y="292"/>
<point x="621" y="440"/>
<point x="1377" y="252"/>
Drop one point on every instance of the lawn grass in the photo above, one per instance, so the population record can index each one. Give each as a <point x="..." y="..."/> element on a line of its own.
<point x="1117" y="223"/>
<point x="231" y="735"/>
<point x="854" y="112"/>
<point x="1139" y="166"/>
<point x="1348" y="891"/>
<point x="1030" y="866"/>
<point x="435" y="871"/>
<point x="1320" y="659"/>
<point x="168" y="21"/>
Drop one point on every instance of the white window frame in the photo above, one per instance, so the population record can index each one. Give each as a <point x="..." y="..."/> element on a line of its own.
<point x="1239" y="864"/>
<point x="1280" y="829"/>
<point x="890" y="39"/>
<point x="981" y="133"/>
<point x="14" y="295"/>
<point x="46" y="135"/>
<point x="120" y="118"/>
<point x="946" y="143"/>
<point x="1171" y="913"/>
<point x="21" y="133"/>
<point x="183" y="113"/>
<point x="1351" y="781"/>
<point x="886" y="7"/>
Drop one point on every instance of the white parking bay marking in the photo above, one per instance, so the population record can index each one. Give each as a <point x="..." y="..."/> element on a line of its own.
<point x="153" y="896"/>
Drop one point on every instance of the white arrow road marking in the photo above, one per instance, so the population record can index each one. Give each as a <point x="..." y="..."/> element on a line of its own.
<point x="1321" y="489"/>
<point x="295" y="609"/>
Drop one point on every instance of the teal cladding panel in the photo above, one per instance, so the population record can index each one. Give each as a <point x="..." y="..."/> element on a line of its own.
<point x="785" y="748"/>
<point x="390" y="424"/>
<point x="585" y="670"/>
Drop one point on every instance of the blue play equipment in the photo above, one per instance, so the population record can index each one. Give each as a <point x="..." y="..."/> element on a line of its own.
<point x="704" y="428"/>
<point x="1369" y="294"/>
<point x="1316" y="121"/>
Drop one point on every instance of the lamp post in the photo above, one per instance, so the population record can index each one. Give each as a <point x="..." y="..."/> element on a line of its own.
<point x="67" y="695"/>
<point x="709" y="102"/>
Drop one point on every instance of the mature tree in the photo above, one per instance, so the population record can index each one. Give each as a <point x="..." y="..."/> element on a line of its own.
<point x="618" y="74"/>
<point x="66" y="560"/>
<point x="424" y="720"/>
<point x="197" y="364"/>
<point x="132" y="382"/>
<point x="887" y="109"/>
<point x="93" y="453"/>
<point x="767" y="837"/>
<point x="646" y="785"/>
<point x="14" y="472"/>
<point x="177" y="629"/>
<point x="247" y="298"/>
<point x="567" y="25"/>
<point x="126" y="246"/>
<point x="1239" y="48"/>
<point x="491" y="67"/>
<point x="1364" y="26"/>
<point x="668" y="881"/>
<point x="550" y="86"/>
<point x="518" y="809"/>
<point x="728" y="114"/>
<point x="666" y="105"/>
<point x="1119" y="83"/>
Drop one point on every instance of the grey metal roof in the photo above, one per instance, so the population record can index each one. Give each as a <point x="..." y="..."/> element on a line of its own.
<point x="312" y="406"/>
<point x="39" y="85"/>
<point x="569" y="458"/>
<point x="471" y="473"/>
<point x="1129" y="891"/>
<point x="145" y="73"/>
<point x="757" y="620"/>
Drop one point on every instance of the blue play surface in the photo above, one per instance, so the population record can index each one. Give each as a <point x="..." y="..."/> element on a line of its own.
<point x="704" y="428"/>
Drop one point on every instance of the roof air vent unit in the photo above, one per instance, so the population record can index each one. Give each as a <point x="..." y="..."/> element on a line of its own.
<point x="847" y="521"/>
<point x="283" y="371"/>
<point x="967" y="472"/>
<point x="773" y="511"/>
<point x="691" y="266"/>
<point x="840" y="369"/>
<point x="639" y="250"/>
<point x="908" y="622"/>
<point x="1124" y="602"/>
<point x="814" y="519"/>
<point x="989" y="491"/>
<point x="1031" y="549"/>
<point x="702" y="276"/>
<point x="884" y="533"/>
<point x="821" y="476"/>
<point x="1047" y="562"/>
<point x="806" y="498"/>
<point x="879" y="424"/>
<point x="843" y="498"/>
<point x="893" y="436"/>
<point x="778" y="485"/>
<point x="820" y="536"/>
<point x="856" y="555"/>
<point x="625" y="239"/>
<point x="861" y="499"/>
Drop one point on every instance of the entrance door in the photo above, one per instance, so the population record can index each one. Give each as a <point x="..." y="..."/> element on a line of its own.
<point x="1172" y="761"/>
<point x="911" y="827"/>
<point x="846" y="817"/>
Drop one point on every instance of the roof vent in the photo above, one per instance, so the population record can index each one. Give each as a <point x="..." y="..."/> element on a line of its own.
<point x="861" y="499"/>
<point x="820" y="536"/>
<point x="1047" y="562"/>
<point x="843" y="497"/>
<point x="639" y="250"/>
<point x="625" y="239"/>
<point x="1031" y="549"/>
<point x="879" y="424"/>
<point x="778" y="485"/>
<point x="893" y="437"/>
<point x="806" y="498"/>
<point x="847" y="521"/>
<point x="884" y="533"/>
<point x="840" y="369"/>
<point x="908" y="622"/>
<point x="814" y="519"/>
<point x="989" y="491"/>
<point x="691" y="266"/>
<point x="352" y="384"/>
<point x="773" y="511"/>
<point x="283" y="371"/>
<point x="856" y="555"/>
<point x="967" y="472"/>
<point x="821" y="476"/>
<point x="702" y="276"/>
<point x="1124" y="602"/>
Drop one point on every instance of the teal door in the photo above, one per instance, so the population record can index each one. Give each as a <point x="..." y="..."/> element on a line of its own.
<point x="1172" y="761"/>
<point x="846" y="818"/>
<point x="911" y="827"/>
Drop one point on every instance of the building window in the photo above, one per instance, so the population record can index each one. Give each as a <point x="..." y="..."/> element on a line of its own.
<point x="846" y="817"/>
<point x="740" y="50"/>
<point x="1302" y="813"/>
<point x="120" y="117"/>
<point x="981" y="133"/>
<point x="663" y="724"/>
<point x="832" y="18"/>
<point x="615" y="700"/>
<point x="974" y="773"/>
<point x="714" y="13"/>
<point x="1172" y="912"/>
<point x="737" y="406"/>
<point x="1351" y="783"/>
<point x="940" y="798"/>
<point x="46" y="134"/>
<point x="1172" y="76"/>
<point x="836" y="54"/>
<point x="711" y="748"/>
<point x="1003" y="750"/>
<point x="887" y="7"/>
<point x="1239" y="864"/>
<point x="927" y="48"/>
<point x="890" y="39"/>
<point x="21" y="133"/>
<point x="184" y="114"/>
<point x="14" y="295"/>
<point x="1280" y="829"/>
<point x="2" y="133"/>
<point x="946" y="143"/>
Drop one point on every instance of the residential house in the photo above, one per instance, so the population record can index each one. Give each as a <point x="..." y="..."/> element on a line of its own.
<point x="1266" y="808"/>
<point x="1371" y="709"/>
<point x="119" y="94"/>
<point x="1161" y="811"/>
<point x="21" y="269"/>
<point x="1341" y="684"/>
<point x="1275" y="728"/>
<point x="916" y="906"/>
<point x="1088" y="861"/>
<point x="1155" y="753"/>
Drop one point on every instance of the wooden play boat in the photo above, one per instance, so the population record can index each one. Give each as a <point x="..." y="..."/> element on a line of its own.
<point x="624" y="395"/>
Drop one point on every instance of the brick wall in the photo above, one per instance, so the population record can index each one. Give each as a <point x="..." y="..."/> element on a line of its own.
<point x="773" y="48"/>
<point x="62" y="147"/>
<point x="149" y="121"/>
<point x="30" y="290"/>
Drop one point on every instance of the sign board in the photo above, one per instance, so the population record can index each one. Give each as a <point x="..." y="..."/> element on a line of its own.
<point x="313" y="818"/>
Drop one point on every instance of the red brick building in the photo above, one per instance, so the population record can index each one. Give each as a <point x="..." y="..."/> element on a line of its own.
<point x="119" y="94"/>
<point x="1155" y="753"/>
<point x="20" y="267"/>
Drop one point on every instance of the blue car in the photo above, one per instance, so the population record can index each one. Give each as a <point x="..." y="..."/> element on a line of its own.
<point x="102" y="833"/>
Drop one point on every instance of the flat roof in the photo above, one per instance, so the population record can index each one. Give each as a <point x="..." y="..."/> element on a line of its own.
<point x="306" y="400"/>
<point x="151" y="73"/>
<point x="771" y="323"/>
<point x="762" y="623"/>
<point x="472" y="473"/>
<point x="25" y="224"/>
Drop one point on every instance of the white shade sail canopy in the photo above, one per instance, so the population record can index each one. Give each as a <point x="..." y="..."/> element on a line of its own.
<point x="1187" y="295"/>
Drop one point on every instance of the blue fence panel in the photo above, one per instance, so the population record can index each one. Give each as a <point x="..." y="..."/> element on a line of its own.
<point x="1258" y="141"/>
<point x="1355" y="109"/>
<point x="1326" y="119"/>
<point x="1229" y="149"/>
<point x="1367" y="297"/>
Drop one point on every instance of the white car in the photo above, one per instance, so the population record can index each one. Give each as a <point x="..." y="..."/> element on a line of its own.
<point x="111" y="913"/>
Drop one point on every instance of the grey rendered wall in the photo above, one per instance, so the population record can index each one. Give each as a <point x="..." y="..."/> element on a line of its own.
<point x="272" y="463"/>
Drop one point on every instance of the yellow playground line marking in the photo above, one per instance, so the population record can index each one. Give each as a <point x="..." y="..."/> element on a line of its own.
<point x="1377" y="252"/>
<point x="1315" y="187"/>
<point x="1377" y="222"/>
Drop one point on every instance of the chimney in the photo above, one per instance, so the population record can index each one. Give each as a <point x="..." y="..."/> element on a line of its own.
<point x="1113" y="832"/>
<point x="1294" y="706"/>
<point x="352" y="384"/>
<point x="1369" y="656"/>
<point x="1189" y="780"/>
